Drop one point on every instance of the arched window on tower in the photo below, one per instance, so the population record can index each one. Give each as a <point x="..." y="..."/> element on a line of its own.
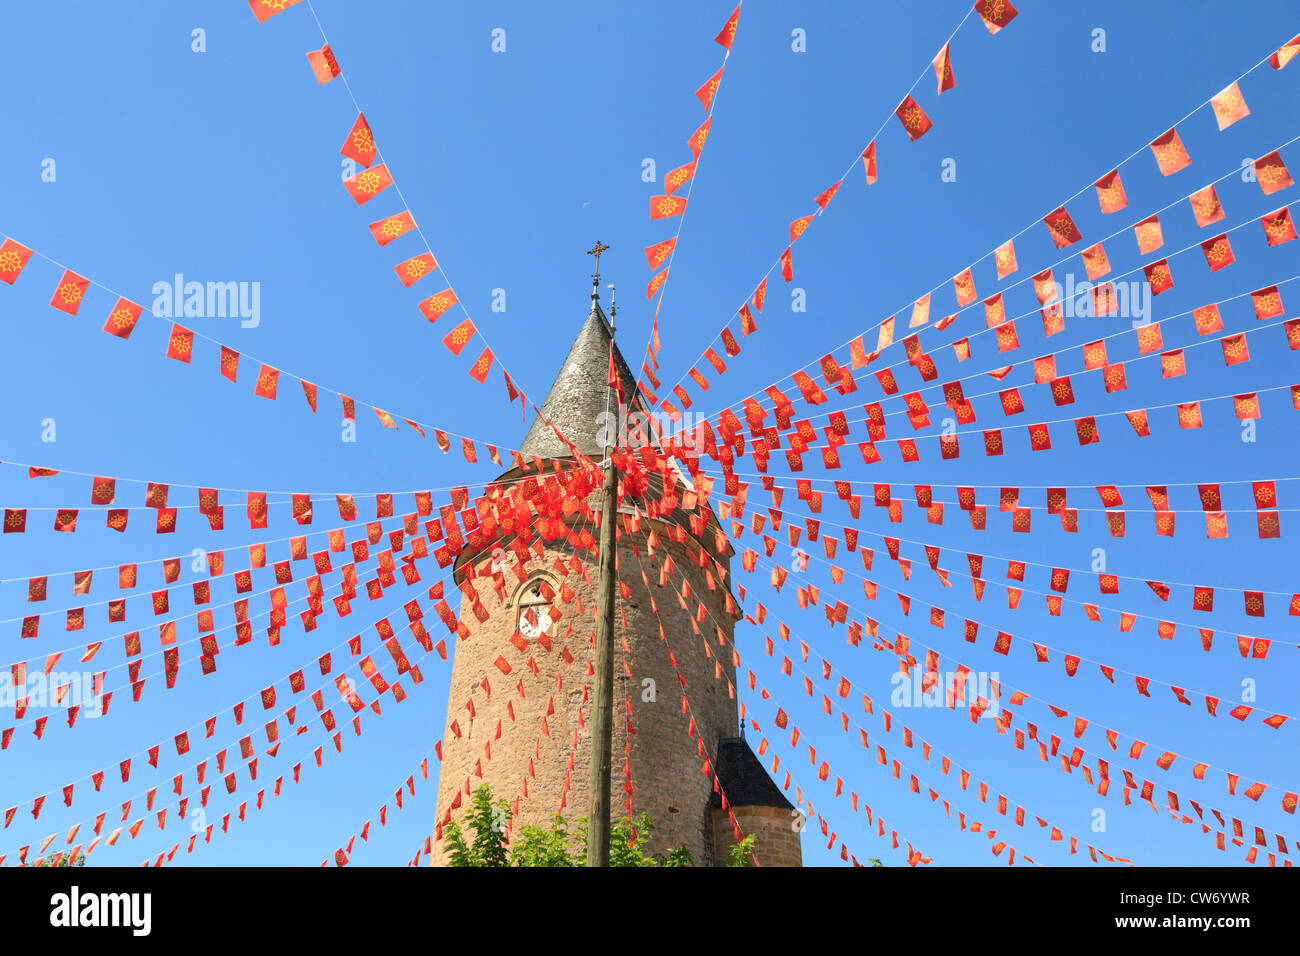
<point x="532" y="605"/>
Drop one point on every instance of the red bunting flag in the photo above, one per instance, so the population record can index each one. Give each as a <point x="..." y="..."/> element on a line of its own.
<point x="457" y="338"/>
<point x="1110" y="192"/>
<point x="13" y="257"/>
<point x="267" y="380"/>
<point x="416" y="268"/>
<point x="360" y="144"/>
<point x="696" y="142"/>
<point x="678" y="176"/>
<point x="1278" y="226"/>
<point x="433" y="307"/>
<point x="655" y="283"/>
<point x="122" y="319"/>
<point x="1062" y="228"/>
<point x="265" y="9"/>
<point x="665" y="207"/>
<point x="390" y="228"/>
<point x="943" y="69"/>
<point x="368" y="183"/>
<point x="710" y="88"/>
<point x="1285" y="53"/>
<point x="798" y="226"/>
<point x="869" y="162"/>
<point x="69" y="292"/>
<point x="996" y="14"/>
<point x="913" y="118"/>
<point x="656" y="255"/>
<point x="180" y="345"/>
<point x="323" y="64"/>
<point x="1271" y="173"/>
<point x="1169" y="152"/>
<point x="1229" y="106"/>
<point x="482" y="365"/>
<point x="728" y="33"/>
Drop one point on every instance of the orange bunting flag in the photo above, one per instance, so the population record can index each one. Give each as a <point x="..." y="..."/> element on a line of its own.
<point x="943" y="69"/>
<point x="121" y="321"/>
<point x="787" y="265"/>
<point x="368" y="183"/>
<point x="1229" y="106"/>
<point x="267" y="380"/>
<point x="1062" y="228"/>
<point x="963" y="286"/>
<point x="709" y="90"/>
<point x="1271" y="173"/>
<point x="1218" y="252"/>
<point x="827" y="195"/>
<point x="1005" y="257"/>
<point x="1278" y="226"/>
<point x="415" y="268"/>
<point x="696" y="142"/>
<point x="457" y="338"/>
<point x="1149" y="235"/>
<point x="69" y="293"/>
<point x="323" y="64"/>
<point x="655" y="283"/>
<point x="433" y="307"/>
<point x="1205" y="206"/>
<point x="360" y="144"/>
<point x="482" y="365"/>
<point x="869" y="162"/>
<point x="676" y="177"/>
<point x="665" y="207"/>
<point x="728" y="33"/>
<point x="386" y="230"/>
<point x="660" y="251"/>
<point x="1110" y="192"/>
<point x="13" y="257"/>
<point x="180" y="345"/>
<point x="1285" y="53"/>
<point x="265" y="9"/>
<point x="1170" y="154"/>
<point x="995" y="13"/>
<point x="913" y="118"/>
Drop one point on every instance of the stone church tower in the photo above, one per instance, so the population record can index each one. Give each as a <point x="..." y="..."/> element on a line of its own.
<point x="665" y="763"/>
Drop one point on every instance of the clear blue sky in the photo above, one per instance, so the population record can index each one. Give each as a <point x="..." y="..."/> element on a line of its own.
<point x="224" y="165"/>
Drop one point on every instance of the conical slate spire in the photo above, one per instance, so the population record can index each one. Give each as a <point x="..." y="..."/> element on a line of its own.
<point x="577" y="399"/>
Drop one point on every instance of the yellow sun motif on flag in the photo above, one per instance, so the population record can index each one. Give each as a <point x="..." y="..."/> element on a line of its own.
<point x="363" y="141"/>
<point x="266" y="380"/>
<point x="667" y="206"/>
<point x="369" y="181"/>
<point x="276" y="5"/>
<point x="393" y="226"/>
<point x="677" y="177"/>
<point x="181" y="345"/>
<point x="121" y="318"/>
<point x="13" y="520"/>
<point x="416" y="268"/>
<point x="10" y="261"/>
<point x="70" y="293"/>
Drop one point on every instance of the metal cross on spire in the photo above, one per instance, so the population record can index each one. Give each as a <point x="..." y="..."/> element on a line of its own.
<point x="596" y="250"/>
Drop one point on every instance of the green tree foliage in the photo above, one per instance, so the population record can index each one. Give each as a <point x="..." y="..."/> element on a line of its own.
<point x="556" y="845"/>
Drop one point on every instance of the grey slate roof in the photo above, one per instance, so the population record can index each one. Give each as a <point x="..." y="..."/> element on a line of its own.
<point x="577" y="398"/>
<point x="744" y="779"/>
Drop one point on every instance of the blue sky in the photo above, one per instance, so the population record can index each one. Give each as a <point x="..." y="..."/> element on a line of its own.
<point x="224" y="166"/>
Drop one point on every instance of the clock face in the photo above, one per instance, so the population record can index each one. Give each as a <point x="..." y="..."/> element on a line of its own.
<point x="534" y="621"/>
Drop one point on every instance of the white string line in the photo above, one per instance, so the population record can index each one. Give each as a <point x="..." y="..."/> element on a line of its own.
<point x="681" y="222"/>
<point x="233" y="548"/>
<point x="169" y="586"/>
<point x="843" y="176"/>
<point x="503" y="484"/>
<point x="711" y="617"/>
<point x="996" y="557"/>
<point x="1057" y="421"/>
<point x="1036" y="222"/>
<point x="220" y="713"/>
<point x="978" y="778"/>
<point x="379" y="153"/>
<point x="276" y="717"/>
<point x="1057" y="302"/>
<point x="1030" y="696"/>
<point x="325" y="591"/>
<point x="244" y="355"/>
<point x="1078" y="374"/>
<point x="689" y="710"/>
